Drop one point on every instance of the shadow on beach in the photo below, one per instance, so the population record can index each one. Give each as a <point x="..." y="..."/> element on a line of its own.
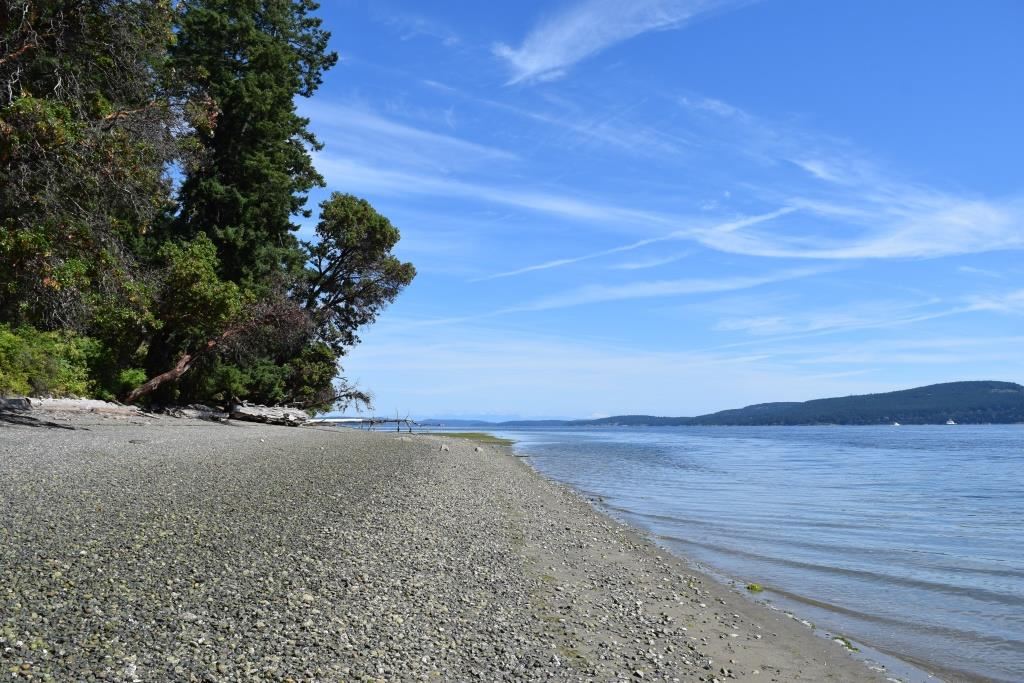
<point x="23" y="420"/>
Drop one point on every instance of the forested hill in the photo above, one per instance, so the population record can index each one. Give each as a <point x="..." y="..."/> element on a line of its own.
<point x="963" y="402"/>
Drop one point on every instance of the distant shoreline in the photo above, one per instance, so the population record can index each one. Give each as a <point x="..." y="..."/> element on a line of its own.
<point x="974" y="402"/>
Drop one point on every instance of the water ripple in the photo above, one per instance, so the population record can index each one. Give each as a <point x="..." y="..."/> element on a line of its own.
<point x="910" y="539"/>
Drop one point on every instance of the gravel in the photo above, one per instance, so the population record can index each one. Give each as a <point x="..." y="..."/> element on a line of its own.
<point x="145" y="549"/>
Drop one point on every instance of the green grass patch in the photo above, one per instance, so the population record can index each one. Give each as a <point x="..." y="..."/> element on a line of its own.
<point x="478" y="436"/>
<point x="845" y="642"/>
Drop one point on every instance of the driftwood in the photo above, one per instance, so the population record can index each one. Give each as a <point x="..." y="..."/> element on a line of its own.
<point x="14" y="404"/>
<point x="270" y="415"/>
<point x="82" y="405"/>
<point x="198" y="412"/>
<point x="368" y="422"/>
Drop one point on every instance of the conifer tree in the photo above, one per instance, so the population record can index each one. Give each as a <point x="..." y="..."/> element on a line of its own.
<point x="250" y="58"/>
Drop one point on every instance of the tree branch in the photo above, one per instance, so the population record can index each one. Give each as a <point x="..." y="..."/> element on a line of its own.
<point x="183" y="365"/>
<point x="17" y="53"/>
<point x="114" y="116"/>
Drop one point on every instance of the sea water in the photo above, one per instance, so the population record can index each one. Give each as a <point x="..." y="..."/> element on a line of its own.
<point x="908" y="539"/>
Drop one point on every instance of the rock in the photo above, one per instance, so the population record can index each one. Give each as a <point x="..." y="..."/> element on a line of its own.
<point x="444" y="447"/>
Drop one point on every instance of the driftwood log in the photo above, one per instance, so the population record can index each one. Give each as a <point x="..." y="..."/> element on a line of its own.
<point x="198" y="412"/>
<point x="270" y="415"/>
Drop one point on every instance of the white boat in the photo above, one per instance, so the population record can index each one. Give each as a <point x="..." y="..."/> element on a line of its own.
<point x="896" y="424"/>
<point x="951" y="421"/>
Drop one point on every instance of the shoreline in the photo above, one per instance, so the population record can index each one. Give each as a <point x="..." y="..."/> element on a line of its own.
<point x="897" y="665"/>
<point x="875" y="657"/>
<point x="160" y="548"/>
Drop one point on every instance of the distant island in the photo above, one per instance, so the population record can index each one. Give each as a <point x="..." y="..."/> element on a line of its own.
<point x="960" y="402"/>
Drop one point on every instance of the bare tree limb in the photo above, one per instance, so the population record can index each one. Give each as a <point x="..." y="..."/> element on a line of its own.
<point x="17" y="53"/>
<point x="114" y="116"/>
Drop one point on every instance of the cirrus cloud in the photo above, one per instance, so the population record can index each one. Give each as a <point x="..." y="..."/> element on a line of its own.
<point x="589" y="27"/>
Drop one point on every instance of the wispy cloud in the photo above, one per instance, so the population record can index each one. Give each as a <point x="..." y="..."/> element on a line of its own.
<point x="613" y="131"/>
<point x="696" y="232"/>
<point x="908" y="226"/>
<point x="411" y="26"/>
<point x="1009" y="302"/>
<point x="947" y="352"/>
<point x="593" y="294"/>
<point x="345" y="126"/>
<point x="589" y="27"/>
<point x="713" y="106"/>
<point x="984" y="272"/>
<point x="866" y="315"/>
<point x="650" y="263"/>
<point x="879" y="214"/>
<point x="344" y="172"/>
<point x="854" y="212"/>
<point x="817" y="324"/>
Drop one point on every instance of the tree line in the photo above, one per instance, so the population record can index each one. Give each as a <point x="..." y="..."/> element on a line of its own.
<point x="152" y="170"/>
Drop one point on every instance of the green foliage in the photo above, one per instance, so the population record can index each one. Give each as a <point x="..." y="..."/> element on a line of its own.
<point x="845" y="642"/>
<point x="310" y="377"/>
<point x="85" y="138"/>
<point x="218" y="381"/>
<point x="352" y="274"/>
<point x="305" y="380"/>
<point x="194" y="303"/>
<point x="107" y="280"/>
<point x="44" y="363"/>
<point x="251" y="58"/>
<point x="127" y="379"/>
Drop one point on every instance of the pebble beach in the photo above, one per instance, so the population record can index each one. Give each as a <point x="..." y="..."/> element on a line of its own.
<point x="162" y="549"/>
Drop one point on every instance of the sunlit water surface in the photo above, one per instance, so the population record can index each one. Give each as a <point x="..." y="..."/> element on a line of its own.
<point x="907" y="539"/>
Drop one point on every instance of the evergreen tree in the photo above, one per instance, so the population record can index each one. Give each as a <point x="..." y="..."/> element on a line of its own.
<point x="101" y="273"/>
<point x="251" y="58"/>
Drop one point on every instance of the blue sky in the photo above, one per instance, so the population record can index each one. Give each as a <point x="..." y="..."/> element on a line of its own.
<point x="678" y="206"/>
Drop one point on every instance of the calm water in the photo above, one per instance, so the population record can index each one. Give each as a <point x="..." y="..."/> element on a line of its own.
<point x="907" y="539"/>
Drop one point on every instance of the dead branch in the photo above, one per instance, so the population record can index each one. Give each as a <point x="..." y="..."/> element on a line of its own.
<point x="114" y="116"/>
<point x="17" y="53"/>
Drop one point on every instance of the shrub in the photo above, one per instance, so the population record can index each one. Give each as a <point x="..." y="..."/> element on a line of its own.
<point x="35" y="363"/>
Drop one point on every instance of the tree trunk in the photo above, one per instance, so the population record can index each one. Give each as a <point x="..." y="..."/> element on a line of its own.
<point x="183" y="365"/>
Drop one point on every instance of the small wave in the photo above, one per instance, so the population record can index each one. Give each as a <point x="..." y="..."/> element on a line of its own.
<point x="980" y="594"/>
